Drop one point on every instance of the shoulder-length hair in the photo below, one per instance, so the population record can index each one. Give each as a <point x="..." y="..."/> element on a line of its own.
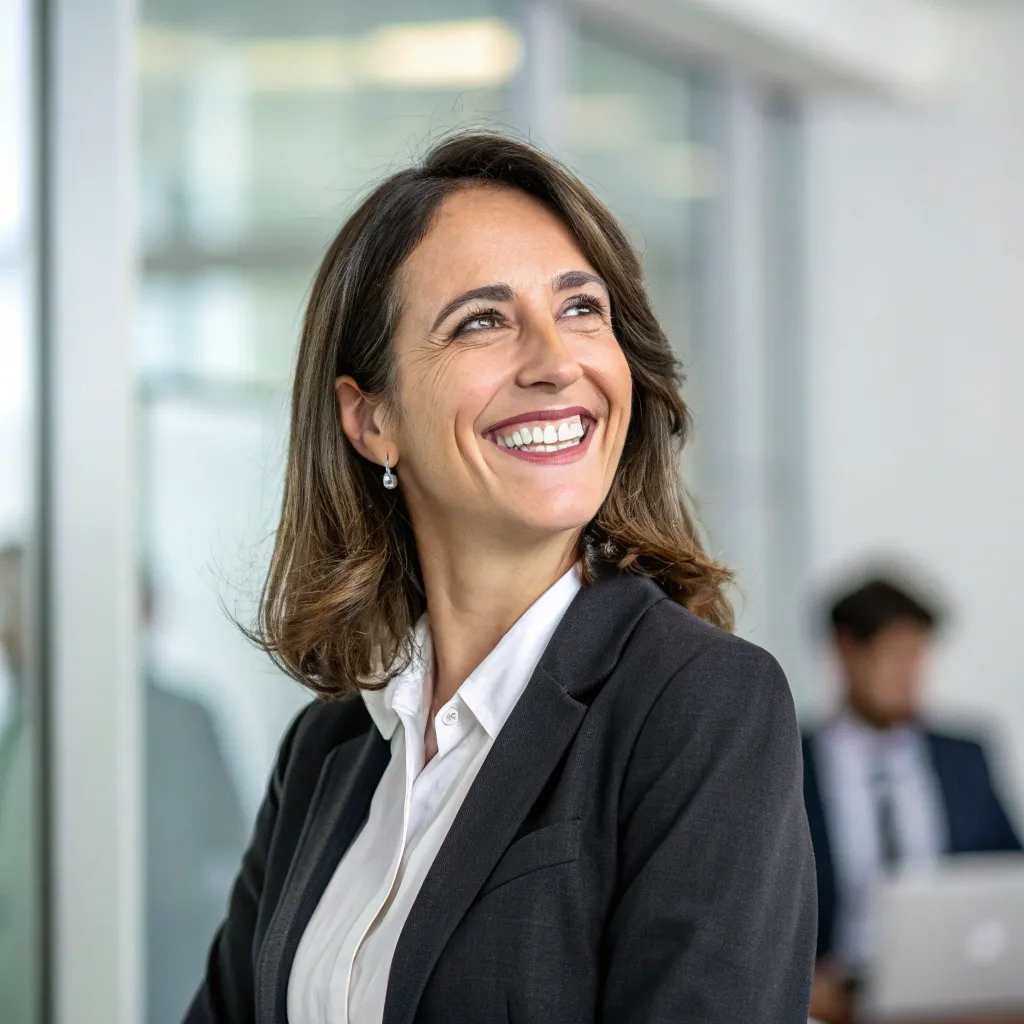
<point x="344" y="588"/>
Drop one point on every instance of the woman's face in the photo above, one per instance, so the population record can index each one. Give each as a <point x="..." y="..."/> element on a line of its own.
<point x="513" y="393"/>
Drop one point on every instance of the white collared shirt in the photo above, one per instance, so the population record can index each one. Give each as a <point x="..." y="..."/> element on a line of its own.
<point x="341" y="968"/>
<point x="851" y="754"/>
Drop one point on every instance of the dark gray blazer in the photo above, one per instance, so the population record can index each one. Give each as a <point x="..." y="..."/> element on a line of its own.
<point x="634" y="849"/>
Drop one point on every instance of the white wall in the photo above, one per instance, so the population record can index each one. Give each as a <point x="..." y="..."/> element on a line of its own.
<point x="915" y="227"/>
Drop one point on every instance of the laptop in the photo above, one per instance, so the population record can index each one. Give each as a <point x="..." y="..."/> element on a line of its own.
<point x="950" y="941"/>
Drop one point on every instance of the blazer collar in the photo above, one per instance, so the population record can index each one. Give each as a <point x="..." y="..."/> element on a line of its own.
<point x="591" y="637"/>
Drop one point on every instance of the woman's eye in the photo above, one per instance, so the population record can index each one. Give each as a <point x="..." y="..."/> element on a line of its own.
<point x="580" y="309"/>
<point x="484" y="322"/>
<point x="583" y="305"/>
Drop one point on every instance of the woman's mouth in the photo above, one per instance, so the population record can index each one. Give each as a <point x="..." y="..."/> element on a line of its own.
<point x="545" y="439"/>
<point x="542" y="437"/>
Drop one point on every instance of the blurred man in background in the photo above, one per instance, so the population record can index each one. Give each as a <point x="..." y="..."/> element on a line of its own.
<point x="882" y="790"/>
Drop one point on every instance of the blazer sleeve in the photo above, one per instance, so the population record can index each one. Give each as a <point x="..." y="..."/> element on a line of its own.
<point x="227" y="994"/>
<point x="715" y="919"/>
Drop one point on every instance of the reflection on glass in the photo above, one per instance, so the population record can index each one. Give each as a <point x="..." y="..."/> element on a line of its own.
<point x="259" y="125"/>
<point x="19" y="783"/>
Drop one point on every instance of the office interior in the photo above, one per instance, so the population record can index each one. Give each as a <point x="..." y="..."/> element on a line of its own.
<point x="828" y="200"/>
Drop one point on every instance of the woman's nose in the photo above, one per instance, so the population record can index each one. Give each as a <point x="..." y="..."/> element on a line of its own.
<point x="546" y="359"/>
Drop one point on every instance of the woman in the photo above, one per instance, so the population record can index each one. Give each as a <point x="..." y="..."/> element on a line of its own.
<point x="541" y="784"/>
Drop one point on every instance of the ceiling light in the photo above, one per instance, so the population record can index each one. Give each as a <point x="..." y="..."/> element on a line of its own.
<point x="465" y="54"/>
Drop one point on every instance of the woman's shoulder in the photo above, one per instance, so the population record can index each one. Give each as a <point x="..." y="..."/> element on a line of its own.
<point x="708" y="667"/>
<point x="690" y="690"/>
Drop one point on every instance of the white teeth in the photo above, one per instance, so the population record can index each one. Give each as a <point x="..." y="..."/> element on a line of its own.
<point x="547" y="438"/>
<point x="552" y="447"/>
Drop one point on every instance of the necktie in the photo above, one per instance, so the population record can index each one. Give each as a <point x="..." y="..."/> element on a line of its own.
<point x="885" y="813"/>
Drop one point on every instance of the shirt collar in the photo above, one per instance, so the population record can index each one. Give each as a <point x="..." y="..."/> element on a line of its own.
<point x="406" y="691"/>
<point x="494" y="687"/>
<point x="849" y="725"/>
<point x="496" y="684"/>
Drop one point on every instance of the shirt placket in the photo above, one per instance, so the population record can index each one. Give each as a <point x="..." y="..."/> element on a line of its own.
<point x="456" y="723"/>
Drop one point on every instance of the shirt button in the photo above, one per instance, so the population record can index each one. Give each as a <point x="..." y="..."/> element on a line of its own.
<point x="450" y="717"/>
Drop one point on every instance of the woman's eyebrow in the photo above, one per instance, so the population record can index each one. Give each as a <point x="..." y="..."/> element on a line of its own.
<point x="501" y="292"/>
<point x="488" y="293"/>
<point x="576" y="279"/>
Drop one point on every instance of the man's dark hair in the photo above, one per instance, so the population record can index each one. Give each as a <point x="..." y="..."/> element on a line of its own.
<point x="863" y="613"/>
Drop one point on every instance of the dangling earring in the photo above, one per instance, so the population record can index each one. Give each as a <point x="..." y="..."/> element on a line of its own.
<point x="390" y="480"/>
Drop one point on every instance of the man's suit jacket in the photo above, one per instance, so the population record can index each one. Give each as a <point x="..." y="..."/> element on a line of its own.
<point x="634" y="849"/>
<point x="977" y="821"/>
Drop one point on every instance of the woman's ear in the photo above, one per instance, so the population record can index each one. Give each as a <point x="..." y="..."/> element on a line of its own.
<point x="361" y="418"/>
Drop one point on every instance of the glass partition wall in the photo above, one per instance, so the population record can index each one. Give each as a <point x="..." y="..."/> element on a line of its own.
<point x="20" y="710"/>
<point x="260" y="125"/>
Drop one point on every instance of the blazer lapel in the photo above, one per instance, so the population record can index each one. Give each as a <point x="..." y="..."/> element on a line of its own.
<point x="581" y="655"/>
<point x="340" y="803"/>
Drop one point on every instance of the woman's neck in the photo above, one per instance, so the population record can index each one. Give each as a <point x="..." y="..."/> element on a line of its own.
<point x="475" y="594"/>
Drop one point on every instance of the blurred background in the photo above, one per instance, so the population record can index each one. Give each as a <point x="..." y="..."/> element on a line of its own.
<point x="828" y="200"/>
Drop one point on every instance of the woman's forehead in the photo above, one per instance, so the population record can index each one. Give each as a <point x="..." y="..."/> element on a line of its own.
<point x="485" y="234"/>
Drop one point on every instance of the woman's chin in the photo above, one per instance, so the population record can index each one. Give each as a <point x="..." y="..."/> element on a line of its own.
<point x="558" y="514"/>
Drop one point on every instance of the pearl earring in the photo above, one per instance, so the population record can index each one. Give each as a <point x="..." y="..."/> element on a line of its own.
<point x="390" y="480"/>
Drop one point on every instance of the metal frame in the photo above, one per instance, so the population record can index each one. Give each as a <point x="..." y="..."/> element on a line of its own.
<point x="545" y="24"/>
<point x="735" y="325"/>
<point x="94" y="702"/>
<point x="789" y="554"/>
<point x="40" y="562"/>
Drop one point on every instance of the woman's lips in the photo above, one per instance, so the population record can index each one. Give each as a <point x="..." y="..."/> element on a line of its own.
<point x="541" y="435"/>
<point x="559" y="453"/>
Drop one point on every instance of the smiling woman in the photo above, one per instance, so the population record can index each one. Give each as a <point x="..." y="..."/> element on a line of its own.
<point x="543" y="784"/>
<point x="414" y="318"/>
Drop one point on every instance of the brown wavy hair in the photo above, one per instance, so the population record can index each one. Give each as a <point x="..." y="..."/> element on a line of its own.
<point x="344" y="588"/>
